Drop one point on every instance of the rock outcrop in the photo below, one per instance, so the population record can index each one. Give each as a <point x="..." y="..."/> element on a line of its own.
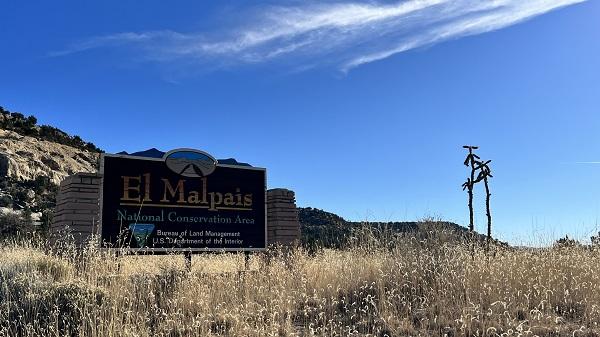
<point x="27" y="158"/>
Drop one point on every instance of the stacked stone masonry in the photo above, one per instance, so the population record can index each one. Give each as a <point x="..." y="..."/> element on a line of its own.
<point x="282" y="217"/>
<point x="77" y="207"/>
<point x="77" y="211"/>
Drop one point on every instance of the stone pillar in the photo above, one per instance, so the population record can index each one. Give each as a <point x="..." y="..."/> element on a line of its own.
<point x="282" y="217"/>
<point x="77" y="207"/>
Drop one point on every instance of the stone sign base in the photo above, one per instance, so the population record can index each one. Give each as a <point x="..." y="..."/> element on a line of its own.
<point x="77" y="207"/>
<point x="282" y="217"/>
<point x="77" y="211"/>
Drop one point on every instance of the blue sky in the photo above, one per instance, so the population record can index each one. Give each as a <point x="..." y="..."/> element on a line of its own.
<point x="362" y="108"/>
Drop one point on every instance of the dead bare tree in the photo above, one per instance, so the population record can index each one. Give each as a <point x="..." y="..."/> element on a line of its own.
<point x="470" y="161"/>
<point x="484" y="173"/>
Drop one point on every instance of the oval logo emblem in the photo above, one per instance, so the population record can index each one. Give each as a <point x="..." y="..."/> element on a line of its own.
<point x="190" y="163"/>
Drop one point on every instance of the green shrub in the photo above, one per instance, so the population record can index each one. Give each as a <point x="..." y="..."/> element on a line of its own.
<point x="14" y="225"/>
<point x="6" y="201"/>
<point x="566" y="242"/>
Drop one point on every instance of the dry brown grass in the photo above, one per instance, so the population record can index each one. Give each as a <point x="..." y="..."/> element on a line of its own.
<point x="394" y="286"/>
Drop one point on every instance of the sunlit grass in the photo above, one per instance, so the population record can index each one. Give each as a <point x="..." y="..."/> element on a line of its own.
<point x="383" y="285"/>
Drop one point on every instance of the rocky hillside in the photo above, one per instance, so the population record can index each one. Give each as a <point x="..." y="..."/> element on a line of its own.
<point x="26" y="158"/>
<point x="34" y="159"/>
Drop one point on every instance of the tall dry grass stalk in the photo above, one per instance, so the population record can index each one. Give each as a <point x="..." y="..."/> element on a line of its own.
<point x="385" y="284"/>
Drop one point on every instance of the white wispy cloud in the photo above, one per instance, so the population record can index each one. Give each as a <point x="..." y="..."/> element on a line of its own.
<point x="341" y="34"/>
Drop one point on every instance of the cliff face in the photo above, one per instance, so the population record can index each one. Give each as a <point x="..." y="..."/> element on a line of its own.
<point x="26" y="158"/>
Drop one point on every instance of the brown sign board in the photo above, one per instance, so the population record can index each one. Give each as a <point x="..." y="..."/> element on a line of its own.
<point x="184" y="201"/>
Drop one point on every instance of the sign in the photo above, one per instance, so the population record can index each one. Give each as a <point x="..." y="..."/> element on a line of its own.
<point x="184" y="201"/>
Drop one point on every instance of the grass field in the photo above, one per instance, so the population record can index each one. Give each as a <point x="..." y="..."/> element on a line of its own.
<point x="382" y="286"/>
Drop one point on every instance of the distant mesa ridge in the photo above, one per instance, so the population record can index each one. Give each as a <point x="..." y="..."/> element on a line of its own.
<point x="155" y="153"/>
<point x="326" y="229"/>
